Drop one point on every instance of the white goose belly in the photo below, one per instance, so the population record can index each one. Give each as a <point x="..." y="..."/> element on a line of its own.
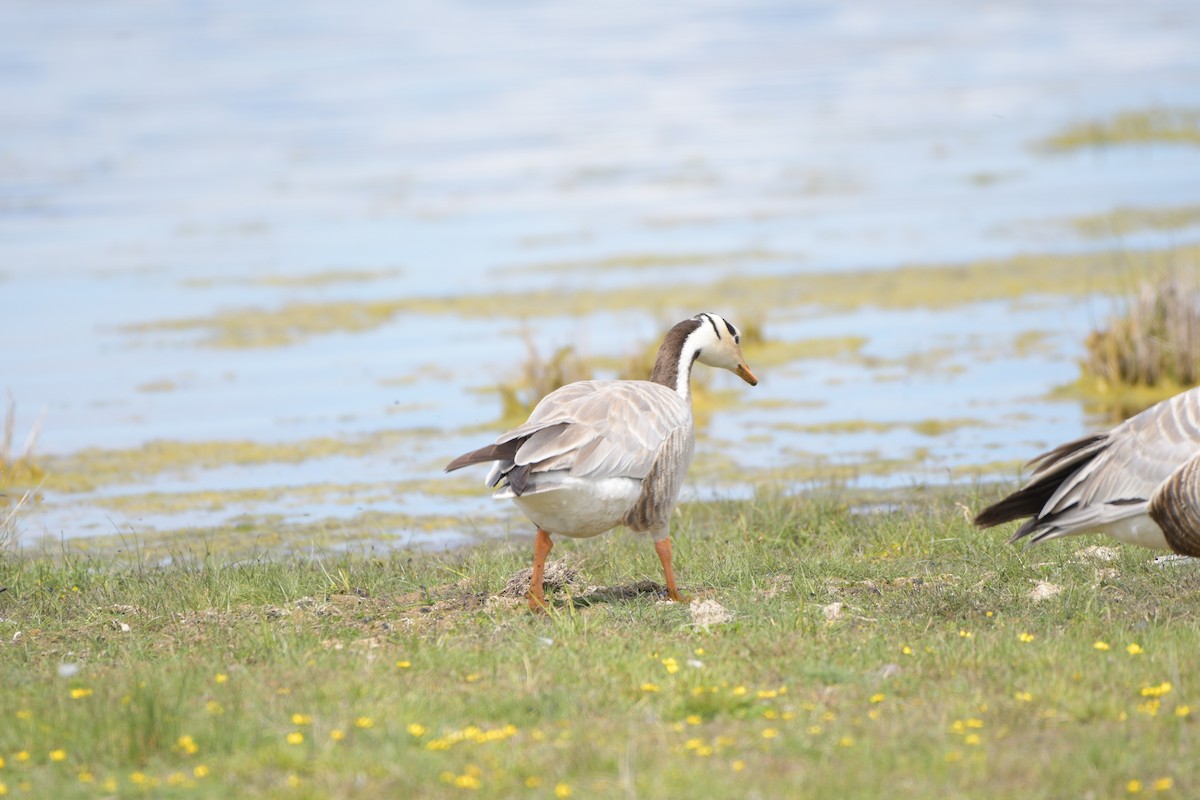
<point x="579" y="508"/>
<point x="1139" y="530"/>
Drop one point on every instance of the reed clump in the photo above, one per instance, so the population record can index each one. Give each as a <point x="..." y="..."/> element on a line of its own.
<point x="1154" y="342"/>
<point x="18" y="473"/>
<point x="539" y="376"/>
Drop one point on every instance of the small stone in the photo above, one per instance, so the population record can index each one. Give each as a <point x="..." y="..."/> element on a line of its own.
<point x="1043" y="591"/>
<point x="1097" y="553"/>
<point x="709" y="612"/>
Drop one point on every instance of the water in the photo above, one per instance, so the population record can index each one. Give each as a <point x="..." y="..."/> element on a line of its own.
<point x="177" y="161"/>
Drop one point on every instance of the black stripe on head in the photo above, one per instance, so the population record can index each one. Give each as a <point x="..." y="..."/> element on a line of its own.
<point x="712" y="322"/>
<point x="732" y="330"/>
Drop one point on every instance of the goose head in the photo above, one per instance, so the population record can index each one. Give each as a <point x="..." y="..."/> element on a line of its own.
<point x="719" y="344"/>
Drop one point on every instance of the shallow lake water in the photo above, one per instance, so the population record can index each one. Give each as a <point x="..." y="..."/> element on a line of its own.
<point x="265" y="265"/>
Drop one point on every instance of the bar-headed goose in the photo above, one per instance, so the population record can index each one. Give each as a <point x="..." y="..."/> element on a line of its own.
<point x="597" y="454"/>
<point x="1139" y="483"/>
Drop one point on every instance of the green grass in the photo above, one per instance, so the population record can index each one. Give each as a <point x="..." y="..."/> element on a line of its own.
<point x="405" y="675"/>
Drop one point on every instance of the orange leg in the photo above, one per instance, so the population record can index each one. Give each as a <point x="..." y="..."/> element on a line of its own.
<point x="663" y="548"/>
<point x="541" y="549"/>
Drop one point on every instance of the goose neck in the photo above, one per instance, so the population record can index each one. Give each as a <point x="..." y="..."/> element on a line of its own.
<point x="676" y="356"/>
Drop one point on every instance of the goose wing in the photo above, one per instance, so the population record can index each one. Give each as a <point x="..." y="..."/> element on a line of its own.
<point x="601" y="429"/>
<point x="1101" y="478"/>
<point x="1135" y="457"/>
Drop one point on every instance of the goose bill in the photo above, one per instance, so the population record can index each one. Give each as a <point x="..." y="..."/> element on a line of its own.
<point x="745" y="374"/>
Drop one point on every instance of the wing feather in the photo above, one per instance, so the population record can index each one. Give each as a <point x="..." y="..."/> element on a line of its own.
<point x="1101" y="479"/>
<point x="1141" y="453"/>
<point x="596" y="429"/>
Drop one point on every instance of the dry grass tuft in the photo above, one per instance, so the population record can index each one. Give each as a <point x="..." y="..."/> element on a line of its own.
<point x="540" y="376"/>
<point x="17" y="469"/>
<point x="1154" y="342"/>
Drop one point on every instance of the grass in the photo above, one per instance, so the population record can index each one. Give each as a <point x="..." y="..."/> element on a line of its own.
<point x="1151" y="343"/>
<point x="1147" y="126"/>
<point x="18" y="466"/>
<point x="931" y="286"/>
<point x="896" y="651"/>
<point x="539" y="376"/>
<point x="21" y="477"/>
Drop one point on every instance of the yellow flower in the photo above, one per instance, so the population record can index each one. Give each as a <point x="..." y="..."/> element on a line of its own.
<point x="200" y="771"/>
<point x="1023" y="697"/>
<point x="1163" y="784"/>
<point x="58" y="755"/>
<point x="533" y="781"/>
<point x="738" y="691"/>
<point x="86" y="777"/>
<point x="971" y="738"/>
<point x="1182" y="711"/>
<point x="813" y="730"/>
<point x="878" y="697"/>
<point x="301" y="719"/>
<point x="24" y="714"/>
<point x="1157" y="691"/>
<point x="110" y="785"/>
<point x="562" y="790"/>
<point x="650" y="687"/>
<point x="1026" y="637"/>
<point x="699" y="651"/>
<point x="416" y="729"/>
<point x="467" y="781"/>
<point x="906" y="650"/>
<point x="1135" y="649"/>
<point x="403" y="664"/>
<point x="738" y="766"/>
<point x="974" y="723"/>
<point x="769" y="733"/>
<point x="186" y="744"/>
<point x="3" y="789"/>
<point x="293" y="781"/>
<point x="364" y="722"/>
<point x="965" y="634"/>
<point x="2" y="760"/>
<point x="138" y="778"/>
<point x="214" y="708"/>
<point x="846" y="741"/>
<point x="1100" y="645"/>
<point x="1134" y="786"/>
<point x="692" y="719"/>
<point x="671" y="665"/>
<point x="220" y="677"/>
<point x="295" y="737"/>
<point x="78" y="693"/>
<point x="23" y="755"/>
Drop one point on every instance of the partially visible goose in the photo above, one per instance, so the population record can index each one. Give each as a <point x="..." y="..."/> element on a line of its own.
<point x="597" y="454"/>
<point x="1139" y="483"/>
